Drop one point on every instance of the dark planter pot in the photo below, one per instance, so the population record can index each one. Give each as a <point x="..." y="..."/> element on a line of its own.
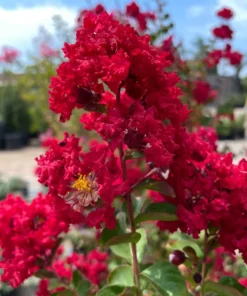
<point x="239" y="134"/>
<point x="25" y="138"/>
<point x="2" y="134"/>
<point x="13" y="141"/>
<point x="226" y="137"/>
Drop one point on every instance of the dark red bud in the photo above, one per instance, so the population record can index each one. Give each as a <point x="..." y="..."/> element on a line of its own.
<point x="177" y="257"/>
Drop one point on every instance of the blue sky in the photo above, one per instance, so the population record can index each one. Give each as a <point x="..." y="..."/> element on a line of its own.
<point x="20" y="19"/>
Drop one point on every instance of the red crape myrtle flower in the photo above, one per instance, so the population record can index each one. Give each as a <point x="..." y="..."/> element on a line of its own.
<point x="107" y="52"/>
<point x="213" y="58"/>
<point x="29" y="234"/>
<point x="82" y="178"/>
<point x="223" y="32"/>
<point x="234" y="57"/>
<point x="97" y="10"/>
<point x="209" y="135"/>
<point x="47" y="52"/>
<point x="9" y="55"/>
<point x="225" y="13"/>
<point x="202" y="91"/>
<point x="133" y="10"/>
<point x="92" y="266"/>
<point x="210" y="190"/>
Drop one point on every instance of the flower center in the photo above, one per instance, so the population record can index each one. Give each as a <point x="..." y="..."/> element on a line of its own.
<point x="85" y="192"/>
<point x="82" y="184"/>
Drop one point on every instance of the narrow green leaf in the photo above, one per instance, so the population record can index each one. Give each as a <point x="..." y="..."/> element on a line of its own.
<point x="132" y="154"/>
<point x="124" y="250"/>
<point x="166" y="279"/>
<point x="181" y="244"/>
<point x="121" y="276"/>
<point x="80" y="285"/>
<point x="111" y="291"/>
<point x="157" y="185"/>
<point x="123" y="239"/>
<point x="76" y="278"/>
<point x="83" y="287"/>
<point x="108" y="234"/>
<point x="191" y="254"/>
<point x="121" y="218"/>
<point x="141" y="245"/>
<point x="45" y="274"/>
<point x="162" y="211"/>
<point x="217" y="289"/>
<point x="63" y="293"/>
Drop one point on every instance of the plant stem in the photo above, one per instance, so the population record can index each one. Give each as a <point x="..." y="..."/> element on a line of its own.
<point x="133" y="246"/>
<point x="204" y="263"/>
<point x="135" y="265"/>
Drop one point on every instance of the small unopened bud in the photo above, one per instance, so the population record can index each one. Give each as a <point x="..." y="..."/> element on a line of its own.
<point x="177" y="257"/>
<point x="197" y="278"/>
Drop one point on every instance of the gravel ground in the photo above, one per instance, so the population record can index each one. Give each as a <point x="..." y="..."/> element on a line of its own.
<point x="21" y="163"/>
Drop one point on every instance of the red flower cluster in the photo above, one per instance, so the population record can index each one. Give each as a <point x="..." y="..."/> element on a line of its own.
<point x="114" y="73"/>
<point x="93" y="267"/>
<point x="225" y="13"/>
<point x="210" y="191"/>
<point x="97" y="10"/>
<point x="223" y="32"/>
<point x="47" y="139"/>
<point x="219" y="259"/>
<point x="133" y="10"/>
<point x="234" y="57"/>
<point x="209" y="135"/>
<point x="202" y="92"/>
<point x="9" y="55"/>
<point x="29" y="234"/>
<point x="215" y="56"/>
<point x="82" y="178"/>
<point x="47" y="52"/>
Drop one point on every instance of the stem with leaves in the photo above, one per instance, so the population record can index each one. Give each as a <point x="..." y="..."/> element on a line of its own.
<point x="204" y="262"/>
<point x="135" y="265"/>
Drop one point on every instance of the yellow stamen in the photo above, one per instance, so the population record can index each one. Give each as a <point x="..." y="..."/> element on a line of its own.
<point x="82" y="184"/>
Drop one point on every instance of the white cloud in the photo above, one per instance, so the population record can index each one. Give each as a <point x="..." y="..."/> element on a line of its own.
<point x="195" y="10"/>
<point x="18" y="26"/>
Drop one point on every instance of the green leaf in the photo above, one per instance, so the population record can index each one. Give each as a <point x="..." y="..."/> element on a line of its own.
<point x="216" y="289"/>
<point x="166" y="279"/>
<point x="121" y="219"/>
<point x="162" y="211"/>
<point x="157" y="185"/>
<point x="81" y="286"/>
<point x="124" y="250"/>
<point x="181" y="244"/>
<point x="132" y="154"/>
<point x="232" y="282"/>
<point x="76" y="278"/>
<point x="110" y="291"/>
<point x="45" y="274"/>
<point x="123" y="239"/>
<point x="108" y="234"/>
<point x="121" y="276"/>
<point x="141" y="245"/>
<point x="63" y="293"/>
